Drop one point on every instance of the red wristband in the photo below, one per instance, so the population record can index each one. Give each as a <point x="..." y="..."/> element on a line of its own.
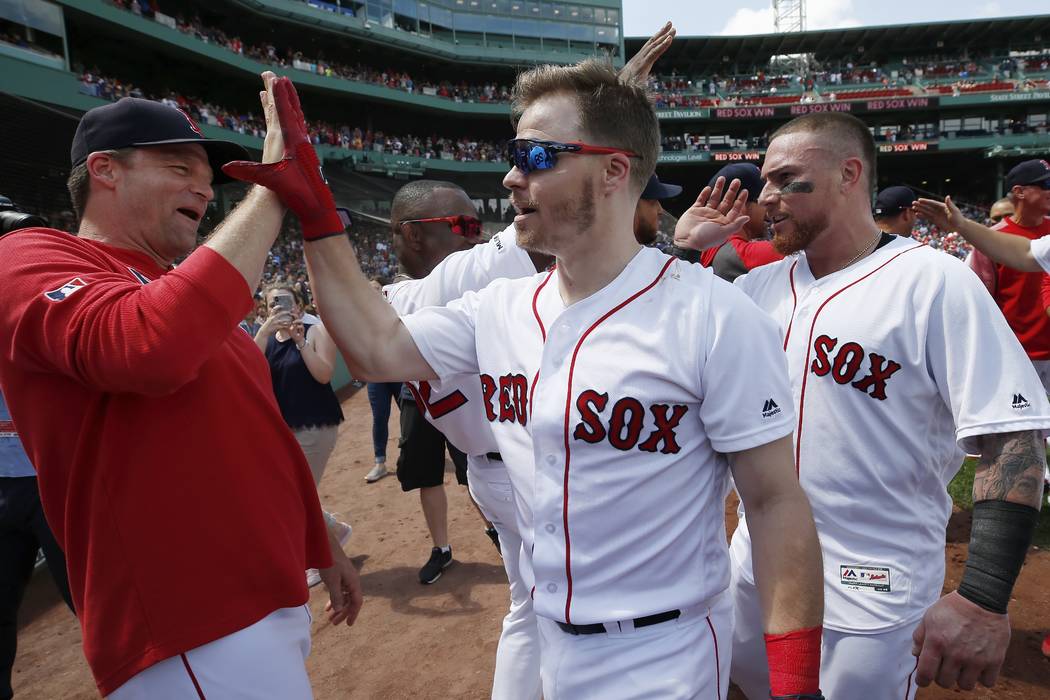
<point x="794" y="661"/>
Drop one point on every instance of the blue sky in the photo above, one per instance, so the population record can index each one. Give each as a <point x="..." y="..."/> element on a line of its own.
<point x="691" y="17"/>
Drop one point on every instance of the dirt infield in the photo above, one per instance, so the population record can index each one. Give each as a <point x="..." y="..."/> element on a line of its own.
<point x="439" y="641"/>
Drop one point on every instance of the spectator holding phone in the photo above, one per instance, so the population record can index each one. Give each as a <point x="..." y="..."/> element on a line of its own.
<point x="301" y="356"/>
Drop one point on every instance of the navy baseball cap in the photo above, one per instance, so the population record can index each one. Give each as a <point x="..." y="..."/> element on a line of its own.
<point x="749" y="175"/>
<point x="660" y="190"/>
<point x="132" y="121"/>
<point x="893" y="200"/>
<point x="1030" y="172"/>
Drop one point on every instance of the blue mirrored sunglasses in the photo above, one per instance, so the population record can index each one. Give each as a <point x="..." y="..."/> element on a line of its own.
<point x="528" y="155"/>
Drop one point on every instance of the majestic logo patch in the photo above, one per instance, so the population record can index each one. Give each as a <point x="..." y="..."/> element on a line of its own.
<point x="770" y="408"/>
<point x="859" y="578"/>
<point x="1020" y="403"/>
<point x="66" y="289"/>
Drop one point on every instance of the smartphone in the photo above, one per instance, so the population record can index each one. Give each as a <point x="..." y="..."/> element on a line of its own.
<point x="283" y="302"/>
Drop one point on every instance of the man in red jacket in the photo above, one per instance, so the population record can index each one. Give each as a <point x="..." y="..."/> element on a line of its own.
<point x="184" y="505"/>
<point x="1017" y="288"/>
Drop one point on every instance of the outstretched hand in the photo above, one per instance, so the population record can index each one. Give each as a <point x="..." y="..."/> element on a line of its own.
<point x="944" y="215"/>
<point x="713" y="218"/>
<point x="290" y="167"/>
<point x="640" y="65"/>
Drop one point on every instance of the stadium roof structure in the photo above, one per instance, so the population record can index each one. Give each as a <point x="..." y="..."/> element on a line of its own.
<point x="718" y="54"/>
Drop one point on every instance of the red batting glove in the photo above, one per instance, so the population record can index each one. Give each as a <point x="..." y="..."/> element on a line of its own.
<point x="297" y="178"/>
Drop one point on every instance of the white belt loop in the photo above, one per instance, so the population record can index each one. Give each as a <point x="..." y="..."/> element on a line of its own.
<point x="694" y="612"/>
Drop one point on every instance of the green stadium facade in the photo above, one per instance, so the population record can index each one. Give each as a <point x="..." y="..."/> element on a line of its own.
<point x="952" y="105"/>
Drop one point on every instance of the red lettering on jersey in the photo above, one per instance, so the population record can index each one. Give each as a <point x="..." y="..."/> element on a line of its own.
<point x="664" y="429"/>
<point x="822" y="346"/>
<point x="519" y="391"/>
<point x="847" y="362"/>
<point x="513" y="398"/>
<point x="880" y="370"/>
<point x="590" y="403"/>
<point x="488" y="390"/>
<point x="624" y="407"/>
<point x="443" y="406"/>
<point x="506" y="404"/>
<point x="626" y="422"/>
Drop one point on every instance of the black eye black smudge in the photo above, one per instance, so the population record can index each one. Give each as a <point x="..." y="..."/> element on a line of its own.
<point x="797" y="187"/>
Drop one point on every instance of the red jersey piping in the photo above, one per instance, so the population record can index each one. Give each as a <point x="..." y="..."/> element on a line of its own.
<point x="568" y="406"/>
<point x="809" y="347"/>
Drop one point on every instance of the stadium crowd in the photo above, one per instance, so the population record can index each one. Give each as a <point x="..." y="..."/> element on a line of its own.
<point x="460" y="91"/>
<point x="321" y="133"/>
<point x="934" y="75"/>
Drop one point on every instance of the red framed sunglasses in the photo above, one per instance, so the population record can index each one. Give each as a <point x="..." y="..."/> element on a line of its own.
<point x="461" y="225"/>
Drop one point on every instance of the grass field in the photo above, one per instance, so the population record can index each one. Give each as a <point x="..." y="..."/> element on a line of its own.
<point x="961" y="490"/>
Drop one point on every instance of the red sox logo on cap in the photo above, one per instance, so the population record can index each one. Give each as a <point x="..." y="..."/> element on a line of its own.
<point x="193" y="124"/>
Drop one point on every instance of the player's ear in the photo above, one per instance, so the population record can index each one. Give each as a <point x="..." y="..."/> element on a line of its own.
<point x="617" y="172"/>
<point x="851" y="172"/>
<point x="413" y="235"/>
<point x="103" y="169"/>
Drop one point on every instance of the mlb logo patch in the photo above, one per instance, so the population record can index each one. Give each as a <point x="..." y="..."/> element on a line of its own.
<point x="66" y="289"/>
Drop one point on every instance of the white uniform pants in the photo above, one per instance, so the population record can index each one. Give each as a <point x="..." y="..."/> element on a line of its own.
<point x="872" y="666"/>
<point x="517" y="675"/>
<point x="262" y="661"/>
<point x="683" y="659"/>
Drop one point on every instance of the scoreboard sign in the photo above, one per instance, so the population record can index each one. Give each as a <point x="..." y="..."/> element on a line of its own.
<point x="887" y="104"/>
<point x="732" y="156"/>
<point x="908" y="147"/>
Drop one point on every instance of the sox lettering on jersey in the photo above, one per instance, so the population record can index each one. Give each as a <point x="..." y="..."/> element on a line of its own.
<point x="847" y="362"/>
<point x="626" y="422"/>
<point x="506" y="399"/>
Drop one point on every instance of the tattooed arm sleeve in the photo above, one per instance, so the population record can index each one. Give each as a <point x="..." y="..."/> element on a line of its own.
<point x="1011" y="468"/>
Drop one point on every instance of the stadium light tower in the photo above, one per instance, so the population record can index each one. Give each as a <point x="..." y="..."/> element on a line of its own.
<point x="789" y="15"/>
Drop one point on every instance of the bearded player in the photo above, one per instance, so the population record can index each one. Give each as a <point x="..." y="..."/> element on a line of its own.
<point x="889" y="346"/>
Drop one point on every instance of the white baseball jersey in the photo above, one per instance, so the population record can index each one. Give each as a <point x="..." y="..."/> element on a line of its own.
<point x="455" y="406"/>
<point x="896" y="363"/>
<point x="1040" y="248"/>
<point x="611" y="415"/>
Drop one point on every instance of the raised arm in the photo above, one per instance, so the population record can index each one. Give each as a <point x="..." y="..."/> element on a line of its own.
<point x="366" y="329"/>
<point x="375" y="344"/>
<point x="641" y="64"/>
<point x="111" y="332"/>
<point x="1003" y="248"/>
<point x="786" y="559"/>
